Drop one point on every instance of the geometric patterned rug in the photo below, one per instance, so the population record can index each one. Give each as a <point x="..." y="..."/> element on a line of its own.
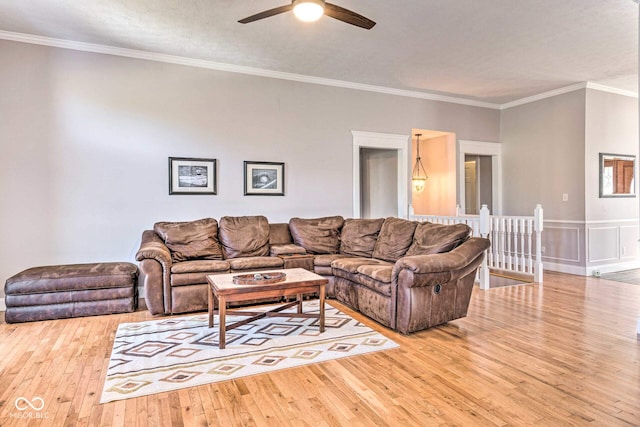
<point x="178" y="352"/>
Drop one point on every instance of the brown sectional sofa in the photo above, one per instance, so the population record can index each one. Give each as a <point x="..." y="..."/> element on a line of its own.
<point x="406" y="275"/>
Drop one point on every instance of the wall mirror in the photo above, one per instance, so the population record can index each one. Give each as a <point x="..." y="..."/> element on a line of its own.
<point x="617" y="173"/>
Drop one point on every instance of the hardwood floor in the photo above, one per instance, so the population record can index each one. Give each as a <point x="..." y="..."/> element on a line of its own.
<point x="562" y="353"/>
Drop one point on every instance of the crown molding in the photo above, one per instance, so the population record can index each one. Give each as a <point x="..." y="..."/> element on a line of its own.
<point x="181" y="60"/>
<point x="567" y="89"/>
<point x="603" y="88"/>
<point x="544" y="95"/>
<point x="219" y="66"/>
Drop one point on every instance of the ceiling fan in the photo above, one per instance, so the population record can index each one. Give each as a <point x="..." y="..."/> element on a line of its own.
<point x="312" y="10"/>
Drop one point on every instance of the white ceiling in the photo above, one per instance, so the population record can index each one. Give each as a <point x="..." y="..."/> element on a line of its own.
<point x="494" y="51"/>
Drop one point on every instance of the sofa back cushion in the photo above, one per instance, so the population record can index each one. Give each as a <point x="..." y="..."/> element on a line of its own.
<point x="317" y="235"/>
<point x="190" y="240"/>
<point x="359" y="236"/>
<point x="396" y="235"/>
<point x="432" y="238"/>
<point x="244" y="236"/>
<point x="279" y="234"/>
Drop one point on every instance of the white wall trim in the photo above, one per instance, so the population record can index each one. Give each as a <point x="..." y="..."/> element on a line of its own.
<point x="493" y="149"/>
<point x="181" y="60"/>
<point x="567" y="89"/>
<point x="565" y="268"/>
<point x="589" y="271"/>
<point x="612" y="268"/>
<point x="544" y="95"/>
<point x="609" y="221"/>
<point x="563" y="221"/>
<point x="3" y="307"/>
<point x="383" y="141"/>
<point x="603" y="88"/>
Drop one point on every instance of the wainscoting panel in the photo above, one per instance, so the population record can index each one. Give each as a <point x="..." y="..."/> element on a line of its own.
<point x="561" y="244"/>
<point x="603" y="243"/>
<point x="629" y="245"/>
<point x="591" y="247"/>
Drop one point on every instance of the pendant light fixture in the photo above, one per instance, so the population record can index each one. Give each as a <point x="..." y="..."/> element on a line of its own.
<point x="419" y="175"/>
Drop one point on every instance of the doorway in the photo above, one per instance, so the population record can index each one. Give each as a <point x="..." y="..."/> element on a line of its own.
<point x="396" y="147"/>
<point x="478" y="183"/>
<point x="378" y="182"/>
<point x="487" y="157"/>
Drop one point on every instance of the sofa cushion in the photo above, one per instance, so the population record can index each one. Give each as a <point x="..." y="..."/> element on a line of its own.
<point x="317" y="235"/>
<point x="256" y="263"/>
<point x="376" y="278"/>
<point x="378" y="272"/>
<point x="199" y="266"/>
<point x="325" y="260"/>
<point x="190" y="240"/>
<point x="279" y="234"/>
<point x="358" y="236"/>
<point x="322" y="263"/>
<point x="289" y="249"/>
<point x="432" y="238"/>
<point x="188" y="279"/>
<point x="396" y="236"/>
<point x="351" y="265"/>
<point x="244" y="236"/>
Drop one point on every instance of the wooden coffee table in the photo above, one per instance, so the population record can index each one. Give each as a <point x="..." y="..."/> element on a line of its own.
<point x="297" y="283"/>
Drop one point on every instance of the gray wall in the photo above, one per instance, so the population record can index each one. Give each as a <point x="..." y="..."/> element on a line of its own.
<point x="543" y="157"/>
<point x="551" y="147"/>
<point x="612" y="230"/>
<point x="85" y="140"/>
<point x="611" y="127"/>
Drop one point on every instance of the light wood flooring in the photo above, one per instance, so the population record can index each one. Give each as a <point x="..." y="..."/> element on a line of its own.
<point x="562" y="353"/>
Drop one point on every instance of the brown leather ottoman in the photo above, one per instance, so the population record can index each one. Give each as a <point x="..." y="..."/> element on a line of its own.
<point x="61" y="291"/>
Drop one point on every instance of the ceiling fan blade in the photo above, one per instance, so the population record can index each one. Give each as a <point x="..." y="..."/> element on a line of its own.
<point x="345" y="15"/>
<point x="267" y="13"/>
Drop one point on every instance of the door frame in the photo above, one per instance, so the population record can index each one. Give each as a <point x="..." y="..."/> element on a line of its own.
<point x="387" y="141"/>
<point x="481" y="148"/>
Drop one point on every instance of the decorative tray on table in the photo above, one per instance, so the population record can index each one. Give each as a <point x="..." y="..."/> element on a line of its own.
<point x="259" y="278"/>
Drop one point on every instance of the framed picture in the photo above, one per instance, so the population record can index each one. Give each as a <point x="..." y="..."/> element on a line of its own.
<point x="617" y="173"/>
<point x="192" y="176"/>
<point x="263" y="179"/>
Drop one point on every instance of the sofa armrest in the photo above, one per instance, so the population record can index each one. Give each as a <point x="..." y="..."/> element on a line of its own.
<point x="443" y="267"/>
<point x="155" y="272"/>
<point x="152" y="247"/>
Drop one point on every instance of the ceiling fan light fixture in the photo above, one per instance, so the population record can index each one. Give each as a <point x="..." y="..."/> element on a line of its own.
<point x="308" y="10"/>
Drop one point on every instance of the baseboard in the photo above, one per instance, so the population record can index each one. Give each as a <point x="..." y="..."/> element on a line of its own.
<point x="2" y="306"/>
<point x="564" y="268"/>
<point x="612" y="268"/>
<point x="591" y="270"/>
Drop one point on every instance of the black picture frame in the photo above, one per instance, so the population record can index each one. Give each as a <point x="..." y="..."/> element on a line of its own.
<point x="263" y="178"/>
<point x="193" y="176"/>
